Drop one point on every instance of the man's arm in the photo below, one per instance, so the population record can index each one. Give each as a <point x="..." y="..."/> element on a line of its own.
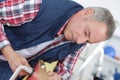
<point x="65" y="67"/>
<point x="14" y="13"/>
<point x="14" y="59"/>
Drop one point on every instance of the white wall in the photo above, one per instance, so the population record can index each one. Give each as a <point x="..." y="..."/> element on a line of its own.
<point x="112" y="5"/>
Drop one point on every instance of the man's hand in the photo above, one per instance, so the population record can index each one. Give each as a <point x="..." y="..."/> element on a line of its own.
<point x="17" y="60"/>
<point x="40" y="73"/>
<point x="14" y="59"/>
<point x="53" y="76"/>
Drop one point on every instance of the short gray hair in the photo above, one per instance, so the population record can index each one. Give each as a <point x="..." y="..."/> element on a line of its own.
<point x="105" y="16"/>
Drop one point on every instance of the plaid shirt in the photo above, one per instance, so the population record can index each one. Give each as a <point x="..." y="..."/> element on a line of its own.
<point x="65" y="67"/>
<point x="17" y="12"/>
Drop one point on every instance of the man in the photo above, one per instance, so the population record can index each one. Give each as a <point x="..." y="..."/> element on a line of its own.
<point x="49" y="30"/>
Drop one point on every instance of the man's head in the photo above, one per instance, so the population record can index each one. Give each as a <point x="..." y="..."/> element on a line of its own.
<point x="93" y="24"/>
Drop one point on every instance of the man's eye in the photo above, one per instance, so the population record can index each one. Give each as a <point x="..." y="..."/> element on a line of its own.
<point x="87" y="41"/>
<point x="87" y="34"/>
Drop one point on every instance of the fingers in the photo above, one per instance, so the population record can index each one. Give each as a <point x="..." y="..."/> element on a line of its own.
<point x="54" y="76"/>
<point x="26" y="64"/>
<point x="15" y="60"/>
<point x="23" y="72"/>
<point x="50" y="73"/>
<point x="22" y="62"/>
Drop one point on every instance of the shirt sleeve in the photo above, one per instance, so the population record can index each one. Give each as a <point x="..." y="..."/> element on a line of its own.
<point x="3" y="39"/>
<point x="14" y="13"/>
<point x="65" y="67"/>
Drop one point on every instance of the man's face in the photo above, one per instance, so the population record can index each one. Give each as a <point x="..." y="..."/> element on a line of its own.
<point x="82" y="29"/>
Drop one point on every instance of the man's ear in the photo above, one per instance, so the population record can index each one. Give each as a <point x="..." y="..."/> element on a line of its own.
<point x="88" y="11"/>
